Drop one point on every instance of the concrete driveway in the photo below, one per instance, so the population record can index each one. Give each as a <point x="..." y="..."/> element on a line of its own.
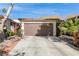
<point x="42" y="46"/>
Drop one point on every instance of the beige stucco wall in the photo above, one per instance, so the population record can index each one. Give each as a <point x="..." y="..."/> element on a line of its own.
<point x="0" y="24"/>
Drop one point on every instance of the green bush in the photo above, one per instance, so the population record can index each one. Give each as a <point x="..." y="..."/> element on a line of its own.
<point x="10" y="33"/>
<point x="69" y="26"/>
<point x="19" y="33"/>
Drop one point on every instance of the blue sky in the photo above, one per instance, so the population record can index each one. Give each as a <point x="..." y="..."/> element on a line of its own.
<point x="37" y="10"/>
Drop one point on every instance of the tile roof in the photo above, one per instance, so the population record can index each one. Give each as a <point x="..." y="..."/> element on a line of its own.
<point x="43" y="19"/>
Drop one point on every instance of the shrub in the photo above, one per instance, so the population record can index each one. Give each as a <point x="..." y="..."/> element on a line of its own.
<point x="10" y="33"/>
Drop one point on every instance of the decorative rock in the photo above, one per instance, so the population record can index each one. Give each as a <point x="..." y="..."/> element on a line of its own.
<point x="8" y="45"/>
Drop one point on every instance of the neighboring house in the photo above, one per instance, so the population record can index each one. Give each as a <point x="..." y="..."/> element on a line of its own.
<point x="1" y="17"/>
<point x="45" y="26"/>
<point x="10" y="25"/>
<point x="15" y="25"/>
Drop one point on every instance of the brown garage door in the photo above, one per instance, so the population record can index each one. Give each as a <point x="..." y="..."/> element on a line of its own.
<point x="38" y="29"/>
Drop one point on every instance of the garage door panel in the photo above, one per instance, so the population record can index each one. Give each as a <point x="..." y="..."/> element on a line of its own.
<point x="36" y="29"/>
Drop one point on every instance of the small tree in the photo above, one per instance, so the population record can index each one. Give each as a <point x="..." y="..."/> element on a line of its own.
<point x="70" y="27"/>
<point x="4" y="10"/>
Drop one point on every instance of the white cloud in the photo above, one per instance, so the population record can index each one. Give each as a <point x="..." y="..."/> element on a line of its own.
<point x="44" y="11"/>
<point x="17" y="8"/>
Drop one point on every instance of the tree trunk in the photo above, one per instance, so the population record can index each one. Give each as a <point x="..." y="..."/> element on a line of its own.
<point x="75" y="40"/>
<point x="6" y="16"/>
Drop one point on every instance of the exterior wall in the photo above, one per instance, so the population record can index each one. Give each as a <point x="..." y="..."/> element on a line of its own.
<point x="54" y="29"/>
<point x="0" y="24"/>
<point x="6" y="24"/>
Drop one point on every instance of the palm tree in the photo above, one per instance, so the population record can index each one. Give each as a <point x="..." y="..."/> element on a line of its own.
<point x="7" y="13"/>
<point x="72" y="27"/>
<point x="4" y="10"/>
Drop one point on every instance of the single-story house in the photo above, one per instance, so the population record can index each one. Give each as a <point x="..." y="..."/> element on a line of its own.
<point x="45" y="26"/>
<point x="10" y="25"/>
<point x="1" y="17"/>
